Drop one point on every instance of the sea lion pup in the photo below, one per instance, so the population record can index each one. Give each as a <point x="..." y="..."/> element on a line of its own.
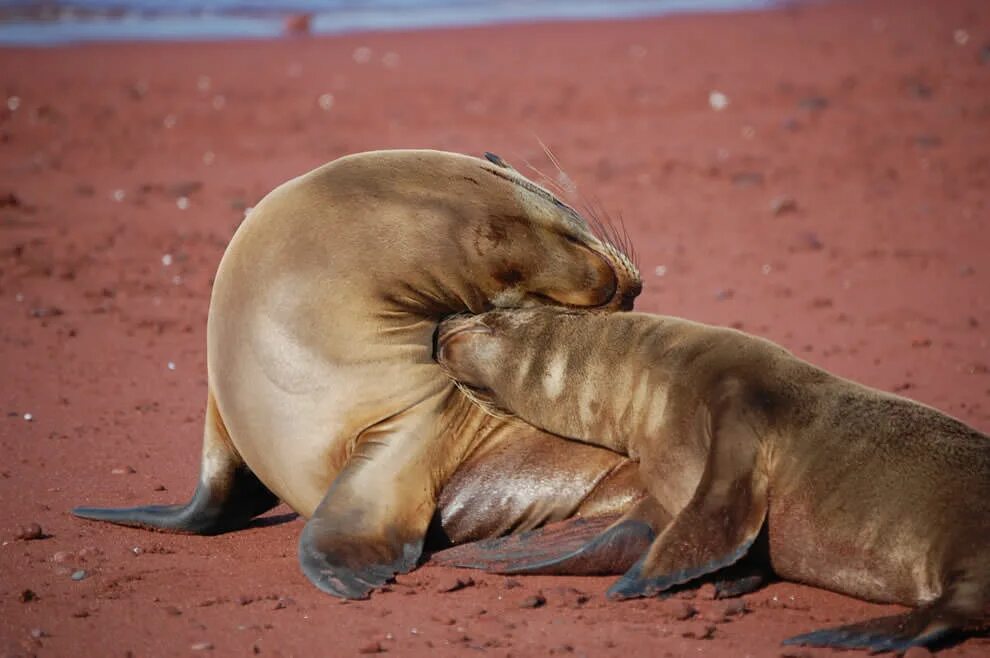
<point x="322" y="389"/>
<point x="857" y="490"/>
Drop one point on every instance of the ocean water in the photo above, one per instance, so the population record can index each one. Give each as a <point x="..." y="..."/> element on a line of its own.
<point x="50" y="22"/>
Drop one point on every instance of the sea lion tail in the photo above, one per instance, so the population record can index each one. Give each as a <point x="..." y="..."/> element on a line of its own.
<point x="227" y="497"/>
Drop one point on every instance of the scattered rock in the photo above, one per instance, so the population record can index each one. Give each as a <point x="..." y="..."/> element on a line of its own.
<point x="10" y="200"/>
<point x="921" y="342"/>
<point x="700" y="631"/>
<point x="918" y="652"/>
<point x="783" y="205"/>
<point x="512" y="583"/>
<point x="30" y="532"/>
<point x="123" y="470"/>
<point x="172" y="611"/>
<point x="918" y="88"/>
<point x="723" y="294"/>
<point x="284" y="602"/>
<point x="184" y="188"/>
<point x="46" y="312"/>
<point x="813" y="103"/>
<point x="372" y="647"/>
<point x="810" y="241"/>
<point x="569" y="597"/>
<point x="454" y="583"/>
<point x="38" y="633"/>
<point x="747" y="179"/>
<point x="201" y="646"/>
<point x="27" y="595"/>
<point x="927" y="141"/>
<point x="79" y="575"/>
<point x="535" y="601"/>
<point x="734" y="607"/>
<point x="707" y="592"/>
<point x="679" y="610"/>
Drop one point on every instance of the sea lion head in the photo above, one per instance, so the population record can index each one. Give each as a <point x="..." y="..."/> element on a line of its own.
<point x="575" y="268"/>
<point x="489" y="354"/>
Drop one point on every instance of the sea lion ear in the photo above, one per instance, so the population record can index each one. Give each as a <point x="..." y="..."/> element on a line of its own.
<point x="498" y="161"/>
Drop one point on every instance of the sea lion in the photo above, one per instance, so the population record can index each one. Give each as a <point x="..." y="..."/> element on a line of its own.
<point x="322" y="389"/>
<point x="847" y="487"/>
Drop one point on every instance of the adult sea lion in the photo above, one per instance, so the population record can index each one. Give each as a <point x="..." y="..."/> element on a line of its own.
<point x="847" y="487"/>
<point x="322" y="389"/>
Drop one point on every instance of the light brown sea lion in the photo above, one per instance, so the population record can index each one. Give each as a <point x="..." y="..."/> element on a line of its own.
<point x="322" y="389"/>
<point x="857" y="490"/>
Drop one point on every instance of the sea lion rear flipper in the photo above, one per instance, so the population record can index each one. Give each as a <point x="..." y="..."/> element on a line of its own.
<point x="722" y="520"/>
<point x="227" y="497"/>
<point x="373" y="521"/>
<point x="577" y="547"/>
<point x="922" y="626"/>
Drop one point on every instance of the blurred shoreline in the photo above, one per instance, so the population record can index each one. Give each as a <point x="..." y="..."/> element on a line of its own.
<point x="32" y="23"/>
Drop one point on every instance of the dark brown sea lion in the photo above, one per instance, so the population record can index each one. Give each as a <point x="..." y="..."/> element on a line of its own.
<point x="847" y="488"/>
<point x="322" y="389"/>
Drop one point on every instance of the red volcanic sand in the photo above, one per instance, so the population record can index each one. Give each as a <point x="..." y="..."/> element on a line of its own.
<point x="838" y="205"/>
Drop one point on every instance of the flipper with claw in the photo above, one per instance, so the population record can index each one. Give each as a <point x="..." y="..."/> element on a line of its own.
<point x="582" y="546"/>
<point x="227" y="497"/>
<point x="920" y="627"/>
<point x="720" y="523"/>
<point x="372" y="523"/>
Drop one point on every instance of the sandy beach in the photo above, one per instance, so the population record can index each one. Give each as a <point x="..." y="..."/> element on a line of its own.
<point x="818" y="175"/>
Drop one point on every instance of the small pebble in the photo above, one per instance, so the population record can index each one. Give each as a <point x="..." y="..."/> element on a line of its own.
<point x="202" y="646"/>
<point x="718" y="101"/>
<point x="30" y="531"/>
<point x="512" y="583"/>
<point x="813" y="103"/>
<point x="38" y="633"/>
<point x="372" y="647"/>
<point x="170" y="365"/>
<point x="700" y="631"/>
<point x="29" y="417"/>
<point x="118" y="195"/>
<point x="362" y="55"/>
<point x="325" y="101"/>
<point x="961" y="37"/>
<point x="681" y="610"/>
<point x="27" y="595"/>
<point x="79" y="575"/>
<point x="455" y="583"/>
<point x="782" y="205"/>
<point x="13" y="102"/>
<point x="535" y="601"/>
<point x="734" y="607"/>
<point x="182" y="203"/>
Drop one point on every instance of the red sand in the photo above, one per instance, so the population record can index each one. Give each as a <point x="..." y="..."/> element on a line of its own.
<point x="867" y="124"/>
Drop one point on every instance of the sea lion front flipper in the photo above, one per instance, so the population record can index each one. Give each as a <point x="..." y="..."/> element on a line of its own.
<point x="372" y="523"/>
<point x="922" y="626"/>
<point x="722" y="520"/>
<point x="227" y="497"/>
